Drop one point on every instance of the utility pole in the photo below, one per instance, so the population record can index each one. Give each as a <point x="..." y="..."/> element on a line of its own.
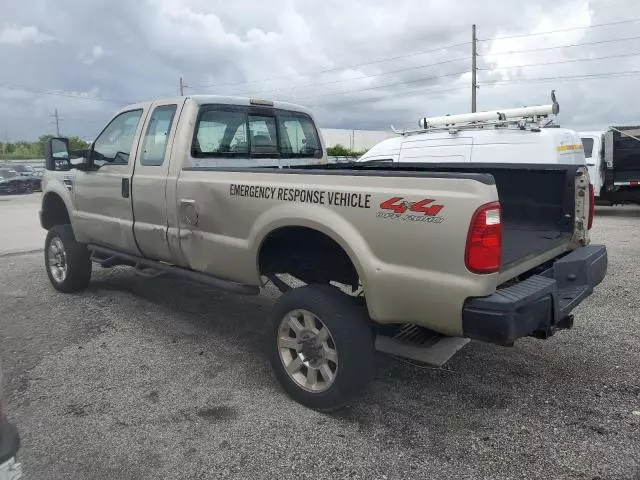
<point x="181" y="87"/>
<point x="474" y="68"/>
<point x="55" y="115"/>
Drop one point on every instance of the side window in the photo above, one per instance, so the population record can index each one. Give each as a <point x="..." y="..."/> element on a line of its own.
<point x="114" y="144"/>
<point x="262" y="135"/>
<point x="155" y="140"/>
<point x="298" y="137"/>
<point x="221" y="133"/>
<point x="587" y="143"/>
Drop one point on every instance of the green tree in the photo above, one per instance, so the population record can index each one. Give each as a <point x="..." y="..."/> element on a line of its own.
<point x="340" y="151"/>
<point x="76" y="143"/>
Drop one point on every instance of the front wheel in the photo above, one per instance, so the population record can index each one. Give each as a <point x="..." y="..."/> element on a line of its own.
<point x="68" y="262"/>
<point x="321" y="347"/>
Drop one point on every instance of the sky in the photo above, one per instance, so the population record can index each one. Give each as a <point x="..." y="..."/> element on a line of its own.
<point x="358" y="64"/>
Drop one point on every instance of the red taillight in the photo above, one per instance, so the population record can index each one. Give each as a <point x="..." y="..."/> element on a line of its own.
<point x="592" y="206"/>
<point x="484" y="242"/>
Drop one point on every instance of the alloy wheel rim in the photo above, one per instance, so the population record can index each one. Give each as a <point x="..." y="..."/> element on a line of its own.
<point x="57" y="260"/>
<point x="307" y="351"/>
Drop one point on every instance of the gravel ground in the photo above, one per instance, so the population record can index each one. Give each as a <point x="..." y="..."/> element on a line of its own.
<point x="152" y="379"/>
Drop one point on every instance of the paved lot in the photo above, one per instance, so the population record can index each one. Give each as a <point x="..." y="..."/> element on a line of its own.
<point x="148" y="379"/>
<point x="19" y="225"/>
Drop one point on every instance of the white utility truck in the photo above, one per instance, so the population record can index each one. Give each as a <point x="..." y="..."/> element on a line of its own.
<point x="613" y="159"/>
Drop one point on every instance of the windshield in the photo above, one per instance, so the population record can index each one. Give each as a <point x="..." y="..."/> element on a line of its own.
<point x="22" y="168"/>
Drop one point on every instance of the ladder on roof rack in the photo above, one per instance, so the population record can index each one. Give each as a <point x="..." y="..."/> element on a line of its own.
<point x="524" y="118"/>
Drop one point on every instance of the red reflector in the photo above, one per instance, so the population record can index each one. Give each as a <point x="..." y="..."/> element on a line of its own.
<point x="634" y="184"/>
<point x="484" y="242"/>
<point x="592" y="206"/>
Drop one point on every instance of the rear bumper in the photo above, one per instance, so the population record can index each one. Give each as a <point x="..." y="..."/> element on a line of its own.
<point x="538" y="305"/>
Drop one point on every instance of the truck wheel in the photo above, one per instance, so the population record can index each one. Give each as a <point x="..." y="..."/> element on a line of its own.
<point x="321" y="347"/>
<point x="68" y="262"/>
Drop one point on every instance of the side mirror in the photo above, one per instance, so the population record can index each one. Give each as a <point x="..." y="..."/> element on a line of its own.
<point x="58" y="157"/>
<point x="56" y="154"/>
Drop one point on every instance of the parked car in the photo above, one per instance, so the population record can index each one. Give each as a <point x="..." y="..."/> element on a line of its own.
<point x="11" y="182"/>
<point x="10" y="469"/>
<point x="223" y="190"/>
<point x="32" y="181"/>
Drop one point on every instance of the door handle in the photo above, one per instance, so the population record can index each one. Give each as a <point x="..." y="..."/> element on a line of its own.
<point x="125" y="187"/>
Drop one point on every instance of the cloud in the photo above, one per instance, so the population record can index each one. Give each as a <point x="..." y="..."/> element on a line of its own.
<point x="14" y="35"/>
<point x="357" y="64"/>
<point x="91" y="57"/>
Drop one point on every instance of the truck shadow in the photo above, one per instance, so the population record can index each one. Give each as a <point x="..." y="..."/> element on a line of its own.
<point x="478" y="391"/>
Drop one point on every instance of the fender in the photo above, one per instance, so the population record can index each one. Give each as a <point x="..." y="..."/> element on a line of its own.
<point x="324" y="220"/>
<point x="60" y="184"/>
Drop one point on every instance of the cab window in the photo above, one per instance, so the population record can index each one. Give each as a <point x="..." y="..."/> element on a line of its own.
<point x="155" y="140"/>
<point x="244" y="132"/>
<point x="298" y="136"/>
<point x="221" y="133"/>
<point x="114" y="144"/>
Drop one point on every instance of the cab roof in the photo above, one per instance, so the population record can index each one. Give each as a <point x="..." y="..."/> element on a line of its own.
<point x="226" y="100"/>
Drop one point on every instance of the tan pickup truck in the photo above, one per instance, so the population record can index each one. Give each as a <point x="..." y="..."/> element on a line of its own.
<point x="413" y="259"/>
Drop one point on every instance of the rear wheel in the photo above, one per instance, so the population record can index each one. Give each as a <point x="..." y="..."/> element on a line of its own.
<point x="68" y="262"/>
<point x="321" y="347"/>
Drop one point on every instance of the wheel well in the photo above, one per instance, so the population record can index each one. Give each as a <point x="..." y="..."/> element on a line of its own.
<point x="54" y="211"/>
<point x="308" y="255"/>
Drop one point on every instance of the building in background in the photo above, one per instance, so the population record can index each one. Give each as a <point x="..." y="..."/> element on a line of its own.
<point x="354" y="140"/>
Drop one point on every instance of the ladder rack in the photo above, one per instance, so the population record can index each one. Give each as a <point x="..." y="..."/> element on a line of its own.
<point x="524" y="118"/>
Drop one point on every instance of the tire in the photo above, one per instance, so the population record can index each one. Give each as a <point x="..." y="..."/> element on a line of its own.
<point x="72" y="270"/>
<point x="350" y="341"/>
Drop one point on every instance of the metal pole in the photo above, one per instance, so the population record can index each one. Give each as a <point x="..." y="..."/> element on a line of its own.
<point x="181" y="87"/>
<point x="474" y="68"/>
<point x="55" y="114"/>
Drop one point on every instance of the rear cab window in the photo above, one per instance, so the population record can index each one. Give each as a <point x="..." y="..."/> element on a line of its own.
<point x="224" y="133"/>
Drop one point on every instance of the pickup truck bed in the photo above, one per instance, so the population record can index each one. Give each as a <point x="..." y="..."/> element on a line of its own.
<point x="538" y="202"/>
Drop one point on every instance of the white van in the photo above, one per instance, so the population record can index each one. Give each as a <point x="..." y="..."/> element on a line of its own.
<point x="501" y="136"/>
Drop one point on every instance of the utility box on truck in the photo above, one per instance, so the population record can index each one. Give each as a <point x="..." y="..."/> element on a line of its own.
<point x="613" y="159"/>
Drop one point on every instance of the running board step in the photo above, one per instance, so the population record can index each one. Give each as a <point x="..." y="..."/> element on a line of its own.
<point x="98" y="252"/>
<point x="420" y="344"/>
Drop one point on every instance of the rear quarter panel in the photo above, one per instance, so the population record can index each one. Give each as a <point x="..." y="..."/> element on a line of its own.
<point x="411" y="265"/>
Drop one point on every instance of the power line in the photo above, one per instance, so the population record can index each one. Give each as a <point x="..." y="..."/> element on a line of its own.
<point x="561" y="46"/>
<point x="433" y="92"/>
<point x="408" y="93"/>
<point x="574" y="60"/>
<point x="633" y="20"/>
<point x="61" y="94"/>
<point x="562" y="78"/>
<point x="336" y="69"/>
<point x="364" y="77"/>
<point x="375" y="87"/>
